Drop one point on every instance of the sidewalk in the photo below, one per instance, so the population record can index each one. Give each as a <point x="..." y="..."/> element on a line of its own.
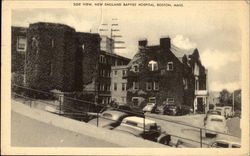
<point x="120" y="139"/>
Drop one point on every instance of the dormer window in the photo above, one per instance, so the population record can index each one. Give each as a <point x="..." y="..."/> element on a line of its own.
<point x="170" y="66"/>
<point x="153" y="65"/>
<point x="136" y="68"/>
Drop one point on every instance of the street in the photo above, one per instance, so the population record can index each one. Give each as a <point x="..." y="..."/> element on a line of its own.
<point x="190" y="132"/>
<point x="27" y="132"/>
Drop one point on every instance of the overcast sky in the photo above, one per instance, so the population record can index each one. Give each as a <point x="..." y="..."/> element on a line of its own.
<point x="213" y="29"/>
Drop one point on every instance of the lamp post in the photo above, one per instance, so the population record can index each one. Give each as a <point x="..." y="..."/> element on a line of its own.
<point x="233" y="102"/>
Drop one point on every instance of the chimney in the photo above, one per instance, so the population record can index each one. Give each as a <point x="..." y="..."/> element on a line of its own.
<point x="142" y="43"/>
<point x="165" y="43"/>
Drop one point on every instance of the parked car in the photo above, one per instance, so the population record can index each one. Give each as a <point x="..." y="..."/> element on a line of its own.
<point x="170" y="110"/>
<point x="215" y="124"/>
<point x="184" y="110"/>
<point x="177" y="110"/>
<point x="211" y="112"/>
<point x="226" y="111"/>
<point x="53" y="109"/>
<point x="109" y="119"/>
<point x="226" y="142"/>
<point x="134" y="126"/>
<point x="128" y="109"/>
<point x="150" y="107"/>
<point x="122" y="108"/>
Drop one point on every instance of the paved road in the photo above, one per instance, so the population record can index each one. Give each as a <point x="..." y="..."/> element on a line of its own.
<point x="27" y="132"/>
<point x="189" y="132"/>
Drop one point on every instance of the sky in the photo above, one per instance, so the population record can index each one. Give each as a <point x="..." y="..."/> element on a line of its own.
<point x="213" y="29"/>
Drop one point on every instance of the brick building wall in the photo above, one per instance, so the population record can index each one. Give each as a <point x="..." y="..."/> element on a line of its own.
<point x="174" y="86"/>
<point x="106" y="61"/>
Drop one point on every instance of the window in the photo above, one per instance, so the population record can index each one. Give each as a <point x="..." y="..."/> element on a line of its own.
<point x="50" y="69"/>
<point x="135" y="101"/>
<point x="185" y="83"/>
<point x="103" y="73"/>
<point x="222" y="145"/>
<point x="149" y="85"/>
<point x="108" y="73"/>
<point x="108" y="87"/>
<point x="136" y="68"/>
<point x="170" y="66"/>
<point x="115" y="86"/>
<point x="103" y="87"/>
<point x="52" y="43"/>
<point x="21" y="43"/>
<point x="100" y="72"/>
<point x="123" y="99"/>
<point x="115" y="72"/>
<point x="170" y="101"/>
<point x="152" y="100"/>
<point x="124" y="72"/>
<point x="163" y="71"/>
<point x="196" y="85"/>
<point x="124" y="86"/>
<point x="107" y="115"/>
<point x="135" y="85"/>
<point x="156" y="85"/>
<point x="153" y="65"/>
<point x="132" y="123"/>
<point x="102" y="59"/>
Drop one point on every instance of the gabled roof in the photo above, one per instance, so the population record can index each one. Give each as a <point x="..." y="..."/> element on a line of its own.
<point x="179" y="53"/>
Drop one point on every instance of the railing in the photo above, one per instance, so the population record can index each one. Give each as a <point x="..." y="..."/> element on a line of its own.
<point x="86" y="110"/>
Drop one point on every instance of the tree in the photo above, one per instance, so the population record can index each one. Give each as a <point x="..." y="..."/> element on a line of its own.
<point x="237" y="99"/>
<point x="225" y="98"/>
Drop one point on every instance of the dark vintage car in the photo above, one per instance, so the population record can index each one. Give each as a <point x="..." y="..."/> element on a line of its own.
<point x="134" y="126"/>
<point x="109" y="119"/>
<point x="177" y="110"/>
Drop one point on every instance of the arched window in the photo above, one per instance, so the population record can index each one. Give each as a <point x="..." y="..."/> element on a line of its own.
<point x="153" y="65"/>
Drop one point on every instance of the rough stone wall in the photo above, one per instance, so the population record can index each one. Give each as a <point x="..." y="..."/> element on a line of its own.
<point x="89" y="46"/>
<point x="47" y="64"/>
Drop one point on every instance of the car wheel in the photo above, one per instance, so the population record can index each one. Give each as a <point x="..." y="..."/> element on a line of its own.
<point x="207" y="135"/>
<point x="165" y="140"/>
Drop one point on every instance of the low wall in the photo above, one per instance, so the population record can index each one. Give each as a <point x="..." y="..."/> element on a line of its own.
<point x="82" y="128"/>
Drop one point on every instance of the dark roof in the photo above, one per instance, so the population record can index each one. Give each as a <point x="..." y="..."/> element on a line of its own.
<point x="115" y="55"/>
<point x="178" y="52"/>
